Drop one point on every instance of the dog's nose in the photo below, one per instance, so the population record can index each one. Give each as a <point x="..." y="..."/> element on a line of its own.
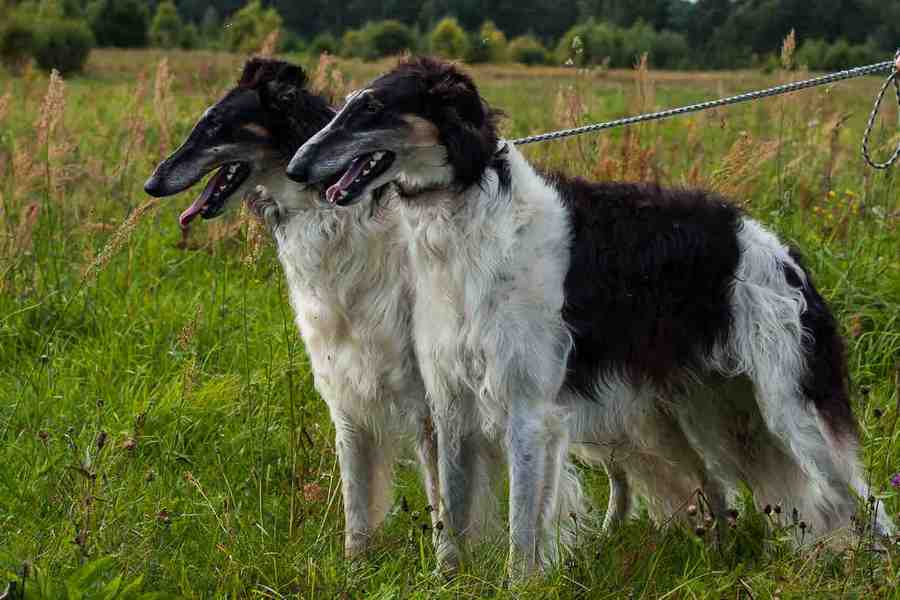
<point x="299" y="167"/>
<point x="154" y="186"/>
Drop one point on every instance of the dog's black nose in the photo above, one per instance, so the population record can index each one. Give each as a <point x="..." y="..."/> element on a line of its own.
<point x="154" y="186"/>
<point x="299" y="167"/>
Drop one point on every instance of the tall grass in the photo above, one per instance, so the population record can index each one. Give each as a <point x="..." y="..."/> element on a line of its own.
<point x="157" y="413"/>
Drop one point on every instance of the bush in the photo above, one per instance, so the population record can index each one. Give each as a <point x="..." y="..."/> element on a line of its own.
<point x="119" y="23"/>
<point x="17" y="43"/>
<point x="448" y="39"/>
<point x="389" y="38"/>
<point x="488" y="45"/>
<point x="63" y="44"/>
<point x="250" y="26"/>
<point x="527" y="50"/>
<point x="354" y="44"/>
<point x="323" y="43"/>
<point x="819" y="55"/>
<point x="190" y="37"/>
<point x="594" y="43"/>
<point x="166" y="30"/>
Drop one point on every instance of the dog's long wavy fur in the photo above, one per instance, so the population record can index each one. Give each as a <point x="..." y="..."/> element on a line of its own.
<point x="660" y="331"/>
<point x="346" y="275"/>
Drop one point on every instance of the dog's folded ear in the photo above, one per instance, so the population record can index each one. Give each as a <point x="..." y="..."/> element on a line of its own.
<point x="259" y="72"/>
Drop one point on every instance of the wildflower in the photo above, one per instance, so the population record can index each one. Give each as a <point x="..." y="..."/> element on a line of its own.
<point x="313" y="492"/>
<point x="895" y="480"/>
<point x="692" y="509"/>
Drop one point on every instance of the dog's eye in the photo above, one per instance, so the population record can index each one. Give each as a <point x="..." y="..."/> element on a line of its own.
<point x="372" y="105"/>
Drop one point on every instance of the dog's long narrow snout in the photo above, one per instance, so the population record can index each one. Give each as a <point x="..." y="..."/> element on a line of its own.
<point x="300" y="167"/>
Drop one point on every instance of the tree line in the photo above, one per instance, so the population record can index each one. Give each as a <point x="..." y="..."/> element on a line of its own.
<point x="674" y="33"/>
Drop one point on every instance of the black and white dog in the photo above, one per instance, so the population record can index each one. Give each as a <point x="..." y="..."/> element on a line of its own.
<point x="345" y="271"/>
<point x="534" y="295"/>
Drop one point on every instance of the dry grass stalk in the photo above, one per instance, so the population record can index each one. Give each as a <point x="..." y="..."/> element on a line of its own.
<point x="119" y="238"/>
<point x="189" y="331"/>
<point x="256" y="236"/>
<point x="788" y="46"/>
<point x="51" y="109"/>
<point x="5" y="102"/>
<point x="328" y="79"/>
<point x="270" y="44"/>
<point x="162" y="100"/>
<point x="741" y="165"/>
<point x="24" y="235"/>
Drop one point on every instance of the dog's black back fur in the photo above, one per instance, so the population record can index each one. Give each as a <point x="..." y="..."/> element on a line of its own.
<point x="648" y="290"/>
<point x="291" y="112"/>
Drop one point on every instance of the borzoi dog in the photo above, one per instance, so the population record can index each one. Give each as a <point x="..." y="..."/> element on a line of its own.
<point x="345" y="271"/>
<point x="346" y="276"/>
<point x="534" y="294"/>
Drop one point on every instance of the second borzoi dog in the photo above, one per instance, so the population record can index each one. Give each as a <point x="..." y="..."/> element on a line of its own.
<point x="536" y="294"/>
<point x="345" y="271"/>
<point x="353" y="316"/>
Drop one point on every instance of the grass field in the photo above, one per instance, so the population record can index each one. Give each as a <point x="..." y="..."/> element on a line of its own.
<point x="159" y="426"/>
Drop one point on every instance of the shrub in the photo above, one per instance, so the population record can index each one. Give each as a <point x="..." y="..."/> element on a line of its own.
<point x="354" y="44"/>
<point x="17" y="43"/>
<point x="527" y="50"/>
<point x="488" y="45"/>
<point x="190" y="37"/>
<point x="593" y="43"/>
<point x="119" y="23"/>
<point x="250" y="26"/>
<point x="389" y="38"/>
<point x="166" y="30"/>
<point x="323" y="43"/>
<point x="63" y="44"/>
<point x="448" y="39"/>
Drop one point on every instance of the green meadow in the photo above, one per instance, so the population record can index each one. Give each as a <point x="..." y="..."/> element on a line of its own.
<point x="160" y="434"/>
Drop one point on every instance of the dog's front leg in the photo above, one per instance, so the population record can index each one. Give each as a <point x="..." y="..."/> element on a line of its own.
<point x="365" y="484"/>
<point x="457" y="452"/>
<point x="527" y="440"/>
<point x="427" y="453"/>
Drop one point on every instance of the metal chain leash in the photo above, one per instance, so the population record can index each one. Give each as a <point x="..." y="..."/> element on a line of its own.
<point x="895" y="78"/>
<point x="888" y="65"/>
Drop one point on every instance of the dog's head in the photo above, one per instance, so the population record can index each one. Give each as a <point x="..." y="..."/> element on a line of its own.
<point x="422" y="124"/>
<point x="256" y="127"/>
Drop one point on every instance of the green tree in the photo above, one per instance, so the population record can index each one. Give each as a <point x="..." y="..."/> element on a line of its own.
<point x="166" y="29"/>
<point x="250" y="26"/>
<point x="448" y="39"/>
<point x="119" y="23"/>
<point x="389" y="38"/>
<point x="63" y="44"/>
<point x="528" y="50"/>
<point x="488" y="45"/>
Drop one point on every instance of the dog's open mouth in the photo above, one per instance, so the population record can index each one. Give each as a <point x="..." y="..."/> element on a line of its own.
<point x="362" y="171"/>
<point x="211" y="202"/>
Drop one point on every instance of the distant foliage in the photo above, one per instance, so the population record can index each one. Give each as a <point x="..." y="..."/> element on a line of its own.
<point x="119" y="23"/>
<point x="528" y="50"/>
<point x="388" y="38"/>
<point x="596" y="42"/>
<point x="488" y="44"/>
<point x="166" y="30"/>
<point x="63" y="44"/>
<point x="17" y="43"/>
<point x="819" y="55"/>
<point x="250" y="26"/>
<point x="448" y="39"/>
<point x="378" y="39"/>
<point x="324" y="43"/>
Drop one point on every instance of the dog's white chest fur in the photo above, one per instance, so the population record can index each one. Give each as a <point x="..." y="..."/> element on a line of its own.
<point x="346" y="273"/>
<point x="488" y="267"/>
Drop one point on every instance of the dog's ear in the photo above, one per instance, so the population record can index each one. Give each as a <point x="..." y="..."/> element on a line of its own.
<point x="466" y="127"/>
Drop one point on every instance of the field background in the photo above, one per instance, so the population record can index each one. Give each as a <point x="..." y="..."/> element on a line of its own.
<point x="158" y="420"/>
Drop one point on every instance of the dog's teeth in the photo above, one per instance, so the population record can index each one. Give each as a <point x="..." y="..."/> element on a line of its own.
<point x="377" y="156"/>
<point x="367" y="171"/>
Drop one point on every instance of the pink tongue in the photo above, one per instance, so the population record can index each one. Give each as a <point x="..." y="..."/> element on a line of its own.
<point x="197" y="207"/>
<point x="331" y="194"/>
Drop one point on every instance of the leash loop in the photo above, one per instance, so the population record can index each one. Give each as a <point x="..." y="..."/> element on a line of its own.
<point x="895" y="79"/>
<point x="881" y="67"/>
